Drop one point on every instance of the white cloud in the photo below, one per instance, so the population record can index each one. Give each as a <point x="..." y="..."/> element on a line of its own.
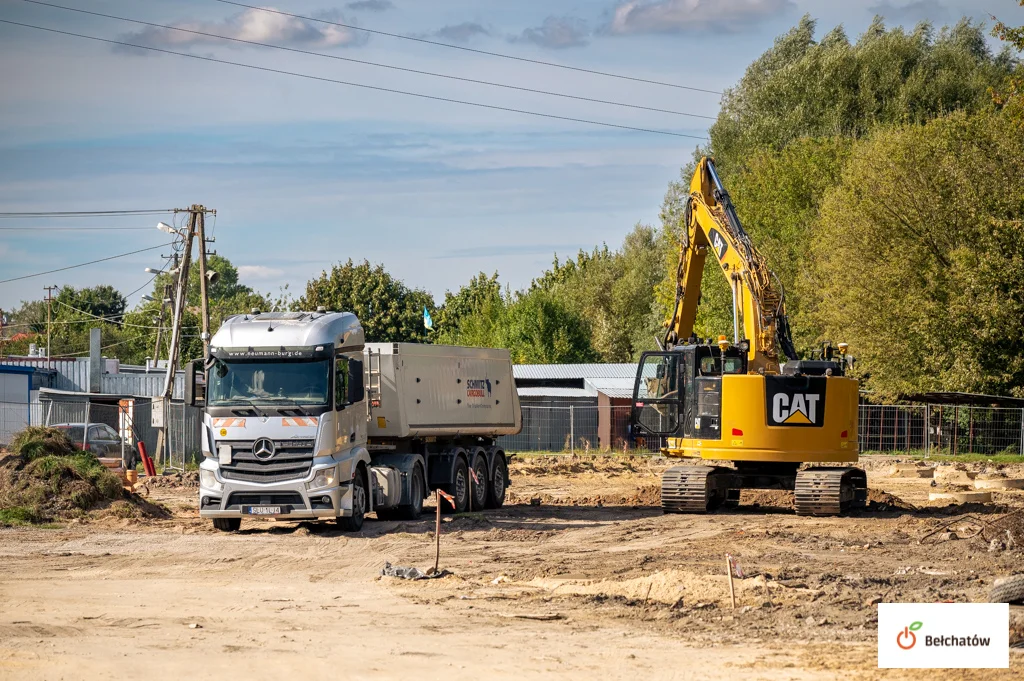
<point x="371" y="5"/>
<point x="257" y="26"/>
<point x="682" y="16"/>
<point x="257" y="272"/>
<point x="557" y="33"/>
<point x="460" y="33"/>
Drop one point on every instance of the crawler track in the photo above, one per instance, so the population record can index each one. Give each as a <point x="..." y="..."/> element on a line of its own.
<point x="829" y="491"/>
<point x="688" y="489"/>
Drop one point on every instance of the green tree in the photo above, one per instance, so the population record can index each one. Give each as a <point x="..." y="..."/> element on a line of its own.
<point x="388" y="309"/>
<point x="98" y="301"/>
<point x="468" y="316"/>
<point x="918" y="257"/>
<point x="537" y="328"/>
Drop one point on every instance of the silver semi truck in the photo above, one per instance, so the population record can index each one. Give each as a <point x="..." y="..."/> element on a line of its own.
<point x="303" y="420"/>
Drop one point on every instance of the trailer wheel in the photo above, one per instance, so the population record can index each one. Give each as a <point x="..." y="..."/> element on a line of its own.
<point x="499" y="476"/>
<point x="1008" y="590"/>
<point x="227" y="524"/>
<point x="480" y="486"/>
<point x="354" y="522"/>
<point x="410" y="511"/>
<point x="458" y="488"/>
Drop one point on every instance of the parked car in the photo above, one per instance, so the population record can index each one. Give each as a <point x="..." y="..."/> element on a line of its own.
<point x="103" y="441"/>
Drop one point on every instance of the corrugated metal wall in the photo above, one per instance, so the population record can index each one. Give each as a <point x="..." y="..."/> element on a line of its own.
<point x="73" y="376"/>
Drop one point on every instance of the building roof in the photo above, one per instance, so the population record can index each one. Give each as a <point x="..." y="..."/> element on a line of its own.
<point x="574" y="371"/>
<point x="611" y="387"/>
<point x="554" y="392"/>
<point x="15" y="369"/>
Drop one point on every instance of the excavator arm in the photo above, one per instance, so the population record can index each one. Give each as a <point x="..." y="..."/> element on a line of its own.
<point x="758" y="298"/>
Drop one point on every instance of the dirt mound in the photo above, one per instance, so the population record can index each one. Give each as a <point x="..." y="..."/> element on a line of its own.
<point x="186" y="480"/>
<point x="575" y="465"/>
<point x="883" y="501"/>
<point x="49" y="480"/>
<point x="644" y="495"/>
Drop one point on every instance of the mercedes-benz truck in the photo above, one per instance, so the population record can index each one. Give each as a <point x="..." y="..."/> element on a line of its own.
<point x="303" y="420"/>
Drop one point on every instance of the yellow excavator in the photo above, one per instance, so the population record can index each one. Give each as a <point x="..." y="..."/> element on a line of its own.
<point x="735" y="402"/>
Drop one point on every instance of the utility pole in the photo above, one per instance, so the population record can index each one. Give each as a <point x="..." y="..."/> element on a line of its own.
<point x="49" y="307"/>
<point x="204" y="282"/>
<point x="180" y="301"/>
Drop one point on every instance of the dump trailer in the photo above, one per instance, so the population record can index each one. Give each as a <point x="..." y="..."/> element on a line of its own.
<point x="303" y="420"/>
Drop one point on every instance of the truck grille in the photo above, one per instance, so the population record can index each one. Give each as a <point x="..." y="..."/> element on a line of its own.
<point x="292" y="459"/>
<point x="240" y="499"/>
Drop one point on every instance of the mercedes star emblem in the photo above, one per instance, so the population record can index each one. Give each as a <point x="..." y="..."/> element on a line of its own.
<point x="263" y="449"/>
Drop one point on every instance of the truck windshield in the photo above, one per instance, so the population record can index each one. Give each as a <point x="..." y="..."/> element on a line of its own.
<point x="242" y="382"/>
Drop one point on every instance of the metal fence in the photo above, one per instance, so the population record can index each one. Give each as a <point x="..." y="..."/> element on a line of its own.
<point x="941" y="429"/>
<point x="927" y="429"/>
<point x="132" y="420"/>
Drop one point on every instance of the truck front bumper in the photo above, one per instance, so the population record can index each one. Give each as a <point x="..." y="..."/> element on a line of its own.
<point x="234" y="499"/>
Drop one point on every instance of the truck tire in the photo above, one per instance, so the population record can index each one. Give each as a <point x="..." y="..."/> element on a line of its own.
<point x="354" y="522"/>
<point x="1008" y="590"/>
<point x="411" y="511"/>
<point x="458" y="488"/>
<point x="227" y="524"/>
<point x="481" y="489"/>
<point x="499" y="480"/>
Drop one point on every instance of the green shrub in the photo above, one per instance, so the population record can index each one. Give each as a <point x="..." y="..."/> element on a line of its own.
<point x="17" y="515"/>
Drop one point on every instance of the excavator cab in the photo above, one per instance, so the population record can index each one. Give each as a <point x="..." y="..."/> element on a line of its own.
<point x="679" y="393"/>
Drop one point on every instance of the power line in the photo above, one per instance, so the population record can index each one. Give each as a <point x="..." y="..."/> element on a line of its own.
<point x="91" y="262"/>
<point x="493" y="107"/>
<point x="470" y="49"/>
<point x="83" y="213"/>
<point x="68" y="229"/>
<point x="370" y="63"/>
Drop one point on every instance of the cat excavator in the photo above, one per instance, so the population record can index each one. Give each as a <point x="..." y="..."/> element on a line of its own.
<point x="736" y="404"/>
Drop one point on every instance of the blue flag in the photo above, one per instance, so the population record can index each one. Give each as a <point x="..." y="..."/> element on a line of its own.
<point x="428" y="322"/>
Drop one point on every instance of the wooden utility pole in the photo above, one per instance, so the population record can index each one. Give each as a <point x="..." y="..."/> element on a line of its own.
<point x="49" y="308"/>
<point x="204" y="283"/>
<point x="180" y="301"/>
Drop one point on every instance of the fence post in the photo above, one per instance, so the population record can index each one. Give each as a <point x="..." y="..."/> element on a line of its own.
<point x="1021" y="450"/>
<point x="85" y="431"/>
<point x="572" y="430"/>
<point x="927" y="430"/>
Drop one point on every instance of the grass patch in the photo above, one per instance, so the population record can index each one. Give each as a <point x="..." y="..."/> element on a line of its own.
<point x="38" y="441"/>
<point x="17" y="515"/>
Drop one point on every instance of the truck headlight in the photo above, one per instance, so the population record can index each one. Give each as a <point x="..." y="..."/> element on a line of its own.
<point x="208" y="479"/>
<point x="323" y="478"/>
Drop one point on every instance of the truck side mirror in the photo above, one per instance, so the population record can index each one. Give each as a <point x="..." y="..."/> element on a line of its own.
<point x="355" y="381"/>
<point x="192" y="396"/>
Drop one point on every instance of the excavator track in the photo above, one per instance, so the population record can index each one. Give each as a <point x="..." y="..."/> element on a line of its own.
<point x="830" y="491"/>
<point x="689" y="489"/>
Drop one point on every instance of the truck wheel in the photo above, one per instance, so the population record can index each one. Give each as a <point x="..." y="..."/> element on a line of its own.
<point x="480" y="491"/>
<point x="459" y="488"/>
<point x="354" y="522"/>
<point x="412" y="511"/>
<point x="499" y="476"/>
<point x="227" y="524"/>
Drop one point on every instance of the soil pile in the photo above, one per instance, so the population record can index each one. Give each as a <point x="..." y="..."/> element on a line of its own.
<point x="45" y="478"/>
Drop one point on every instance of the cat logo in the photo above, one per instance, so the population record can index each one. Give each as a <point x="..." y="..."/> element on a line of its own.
<point x="795" y="400"/>
<point x="800" y="408"/>
<point x="718" y="243"/>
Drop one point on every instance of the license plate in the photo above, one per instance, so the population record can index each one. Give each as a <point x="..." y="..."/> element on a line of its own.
<point x="266" y="510"/>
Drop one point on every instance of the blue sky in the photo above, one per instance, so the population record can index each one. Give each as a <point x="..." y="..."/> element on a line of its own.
<point x="305" y="174"/>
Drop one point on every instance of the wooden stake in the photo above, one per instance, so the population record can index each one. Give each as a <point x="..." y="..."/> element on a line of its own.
<point x="437" y="534"/>
<point x="728" y="571"/>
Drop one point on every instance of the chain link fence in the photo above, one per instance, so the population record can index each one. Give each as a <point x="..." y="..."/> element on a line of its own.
<point x="112" y="430"/>
<point x="573" y="429"/>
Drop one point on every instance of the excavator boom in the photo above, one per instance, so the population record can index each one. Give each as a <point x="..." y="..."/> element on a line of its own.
<point x="758" y="298"/>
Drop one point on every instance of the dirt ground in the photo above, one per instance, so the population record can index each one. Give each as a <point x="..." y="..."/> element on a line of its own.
<point x="580" y="576"/>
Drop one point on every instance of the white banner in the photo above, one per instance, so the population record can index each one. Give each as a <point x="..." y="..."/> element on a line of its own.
<point x="944" y="636"/>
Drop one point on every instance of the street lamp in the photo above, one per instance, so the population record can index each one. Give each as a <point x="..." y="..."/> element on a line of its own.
<point x="164" y="227"/>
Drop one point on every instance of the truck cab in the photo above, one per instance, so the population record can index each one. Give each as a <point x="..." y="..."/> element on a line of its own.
<point x="285" y="418"/>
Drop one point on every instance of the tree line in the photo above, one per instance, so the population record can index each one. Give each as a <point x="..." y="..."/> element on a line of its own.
<point x="883" y="178"/>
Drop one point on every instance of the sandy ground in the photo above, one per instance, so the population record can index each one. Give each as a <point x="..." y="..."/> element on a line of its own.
<point x="580" y="576"/>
